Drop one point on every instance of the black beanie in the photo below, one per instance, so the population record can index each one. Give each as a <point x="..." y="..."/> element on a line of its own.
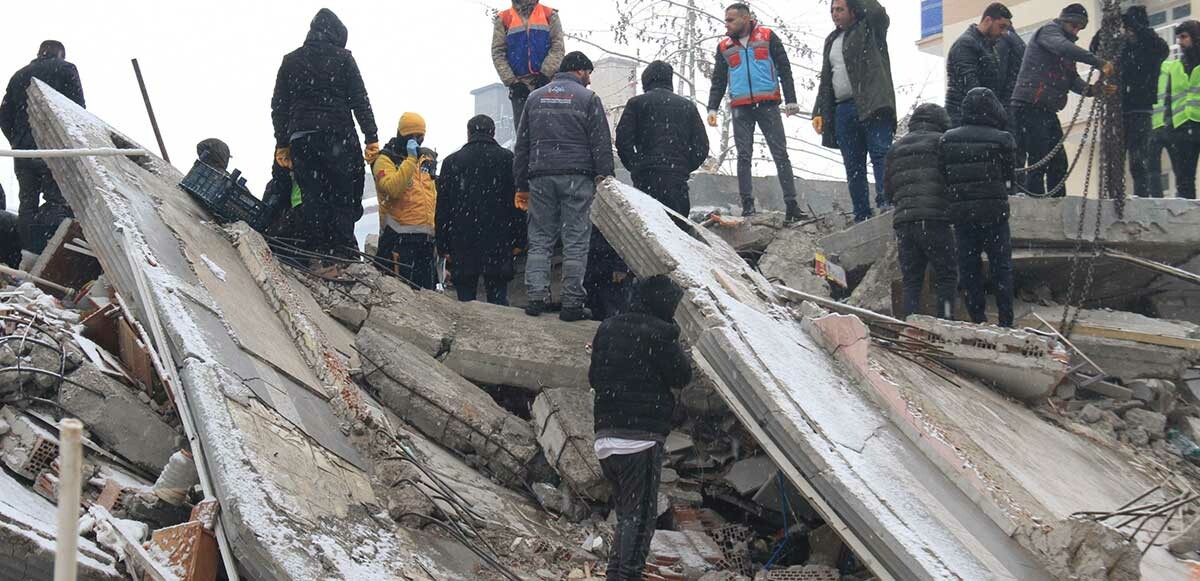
<point x="575" y="61"/>
<point x="1075" y="14"/>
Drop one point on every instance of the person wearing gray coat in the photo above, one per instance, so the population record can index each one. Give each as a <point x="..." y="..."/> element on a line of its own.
<point x="564" y="150"/>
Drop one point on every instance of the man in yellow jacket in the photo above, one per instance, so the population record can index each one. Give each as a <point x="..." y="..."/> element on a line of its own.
<point x="405" y="177"/>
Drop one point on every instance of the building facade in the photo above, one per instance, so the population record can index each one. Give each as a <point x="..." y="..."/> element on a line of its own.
<point x="942" y="22"/>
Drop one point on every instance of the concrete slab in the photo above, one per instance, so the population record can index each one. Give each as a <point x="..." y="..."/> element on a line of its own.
<point x="564" y="423"/>
<point x="891" y="504"/>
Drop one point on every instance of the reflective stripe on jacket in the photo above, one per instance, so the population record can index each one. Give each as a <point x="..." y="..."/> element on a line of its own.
<point x="528" y="41"/>
<point x="752" y="74"/>
<point x="1178" y="92"/>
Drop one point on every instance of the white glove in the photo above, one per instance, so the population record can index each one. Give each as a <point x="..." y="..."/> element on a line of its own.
<point x="791" y="109"/>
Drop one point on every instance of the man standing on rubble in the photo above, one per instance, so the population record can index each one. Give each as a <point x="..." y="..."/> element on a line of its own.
<point x="973" y="60"/>
<point x="661" y="139"/>
<point x="405" y="175"/>
<point x="637" y="359"/>
<point x="316" y="91"/>
<point x="527" y="49"/>
<point x="36" y="220"/>
<point x="479" y="232"/>
<point x="1176" y="118"/>
<point x="752" y="63"/>
<point x="856" y="103"/>
<point x="1142" y="54"/>
<point x="978" y="166"/>
<point x="1047" y="74"/>
<point x="564" y="151"/>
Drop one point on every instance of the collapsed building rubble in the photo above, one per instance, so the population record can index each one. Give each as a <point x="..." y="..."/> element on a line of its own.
<point x="359" y="428"/>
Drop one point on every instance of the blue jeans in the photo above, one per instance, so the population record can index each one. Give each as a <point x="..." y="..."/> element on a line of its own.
<point x="857" y="139"/>
<point x="559" y="207"/>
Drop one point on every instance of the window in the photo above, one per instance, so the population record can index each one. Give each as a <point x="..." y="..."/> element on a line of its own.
<point x="1180" y="12"/>
<point x="1160" y="18"/>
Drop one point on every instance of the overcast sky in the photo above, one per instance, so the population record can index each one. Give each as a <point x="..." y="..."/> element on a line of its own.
<point x="210" y="66"/>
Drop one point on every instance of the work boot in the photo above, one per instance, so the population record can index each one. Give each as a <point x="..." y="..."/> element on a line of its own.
<point x="535" y="308"/>
<point x="748" y="207"/>
<point x="794" y="213"/>
<point x="572" y="314"/>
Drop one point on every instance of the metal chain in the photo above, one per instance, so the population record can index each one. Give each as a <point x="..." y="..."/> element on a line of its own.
<point x="1058" y="147"/>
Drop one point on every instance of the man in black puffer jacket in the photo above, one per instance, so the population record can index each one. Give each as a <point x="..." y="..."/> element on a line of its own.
<point x="317" y="90"/>
<point x="914" y="184"/>
<point x="978" y="164"/>
<point x="661" y="139"/>
<point x="636" y="361"/>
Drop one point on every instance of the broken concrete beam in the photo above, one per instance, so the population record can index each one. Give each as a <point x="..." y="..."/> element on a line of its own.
<point x="564" y="423"/>
<point x="1023" y="365"/>
<point x="789" y="260"/>
<point x="445" y="407"/>
<point x="893" y="506"/>
<point x="118" y="418"/>
<point x="486" y="343"/>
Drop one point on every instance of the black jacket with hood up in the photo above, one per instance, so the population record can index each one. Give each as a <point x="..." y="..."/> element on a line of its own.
<point x="913" y="179"/>
<point x="636" y="361"/>
<point x="978" y="161"/>
<point x="661" y="132"/>
<point x="319" y="86"/>
<point x="14" y="118"/>
<point x="1142" y="54"/>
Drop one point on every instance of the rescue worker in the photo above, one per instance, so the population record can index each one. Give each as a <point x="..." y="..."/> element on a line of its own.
<point x="479" y="232"/>
<point x="405" y="182"/>
<point x="527" y="49"/>
<point x="316" y="91"/>
<point x="1047" y="73"/>
<point x="977" y="161"/>
<point x="973" y="60"/>
<point x="564" y="151"/>
<point x="855" y="110"/>
<point x="1177" y="114"/>
<point x="915" y="185"/>
<point x="637" y="359"/>
<point x="41" y="206"/>
<point x="661" y="139"/>
<point x="752" y="63"/>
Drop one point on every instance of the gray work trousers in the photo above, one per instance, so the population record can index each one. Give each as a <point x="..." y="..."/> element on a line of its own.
<point x="559" y="207"/>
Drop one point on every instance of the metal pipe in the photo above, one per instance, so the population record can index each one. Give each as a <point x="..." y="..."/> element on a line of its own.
<point x="70" y="468"/>
<point x="21" y="274"/>
<point x="137" y="70"/>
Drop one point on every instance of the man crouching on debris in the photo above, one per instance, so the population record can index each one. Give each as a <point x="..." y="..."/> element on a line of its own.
<point x="636" y="360"/>
<point x="978" y="163"/>
<point x="913" y="183"/>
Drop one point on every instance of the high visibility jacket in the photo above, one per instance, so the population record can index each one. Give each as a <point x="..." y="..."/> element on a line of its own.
<point x="528" y="41"/>
<point x="752" y="74"/>
<point x="407" y="195"/>
<point x="1178" y="92"/>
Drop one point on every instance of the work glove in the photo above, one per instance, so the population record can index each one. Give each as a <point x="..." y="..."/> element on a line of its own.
<point x="517" y="251"/>
<point x="283" y="157"/>
<point x="521" y="201"/>
<point x="712" y="118"/>
<point x="371" y="153"/>
<point x="791" y="109"/>
<point x="619" y="277"/>
<point x="1108" y="69"/>
<point x="819" y="124"/>
<point x="414" y="148"/>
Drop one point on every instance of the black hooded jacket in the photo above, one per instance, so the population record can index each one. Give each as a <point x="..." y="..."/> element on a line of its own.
<point x="636" y="360"/>
<point x="14" y="119"/>
<point x="1142" y="54"/>
<point x="661" y="132"/>
<point x="913" y="179"/>
<point x="477" y="224"/>
<point x="978" y="160"/>
<point x="319" y="86"/>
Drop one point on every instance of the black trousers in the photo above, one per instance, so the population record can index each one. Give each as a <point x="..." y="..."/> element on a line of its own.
<point x="634" y="479"/>
<point x="518" y="94"/>
<point x="1147" y="182"/>
<point x="1037" y="132"/>
<point x="328" y="166"/>
<point x="996" y="240"/>
<point x="1155" y="145"/>
<point x="1183" y="147"/>
<point x="409" y="256"/>
<point x="467" y="287"/>
<point x="669" y="189"/>
<point x="767" y="117"/>
<point x="37" y="221"/>
<point x="927" y="243"/>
